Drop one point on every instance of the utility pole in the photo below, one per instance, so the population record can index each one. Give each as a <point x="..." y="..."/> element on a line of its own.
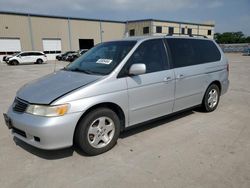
<point x="31" y="33"/>
<point x="69" y="31"/>
<point x="101" y="31"/>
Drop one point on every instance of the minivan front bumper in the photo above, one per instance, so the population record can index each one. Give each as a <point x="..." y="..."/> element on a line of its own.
<point x="44" y="132"/>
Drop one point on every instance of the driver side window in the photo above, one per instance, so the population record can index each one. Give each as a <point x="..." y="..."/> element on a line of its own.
<point x="151" y="53"/>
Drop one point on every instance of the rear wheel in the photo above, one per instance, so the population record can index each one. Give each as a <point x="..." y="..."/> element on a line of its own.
<point x="211" y="98"/>
<point x="39" y="61"/>
<point x="98" y="131"/>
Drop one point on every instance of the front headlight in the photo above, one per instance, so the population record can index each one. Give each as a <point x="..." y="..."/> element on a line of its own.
<point x="49" y="111"/>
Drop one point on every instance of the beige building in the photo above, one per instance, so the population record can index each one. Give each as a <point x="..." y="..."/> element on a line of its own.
<point x="55" y="34"/>
<point x="164" y="27"/>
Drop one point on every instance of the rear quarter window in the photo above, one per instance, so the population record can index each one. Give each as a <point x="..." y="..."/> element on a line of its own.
<point x="187" y="52"/>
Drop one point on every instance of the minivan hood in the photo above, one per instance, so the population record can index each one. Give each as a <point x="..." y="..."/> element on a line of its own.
<point x="50" y="87"/>
<point x="9" y="56"/>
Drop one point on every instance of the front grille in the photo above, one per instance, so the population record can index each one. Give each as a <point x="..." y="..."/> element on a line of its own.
<point x="19" y="105"/>
<point x="19" y="132"/>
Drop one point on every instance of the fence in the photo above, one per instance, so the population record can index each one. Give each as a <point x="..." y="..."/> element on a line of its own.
<point x="229" y="48"/>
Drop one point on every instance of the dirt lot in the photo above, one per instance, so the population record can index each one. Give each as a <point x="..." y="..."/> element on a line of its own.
<point x="192" y="149"/>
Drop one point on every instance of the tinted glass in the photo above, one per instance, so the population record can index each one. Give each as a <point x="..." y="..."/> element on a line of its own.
<point x="103" y="58"/>
<point x="158" y="29"/>
<point x="30" y="54"/>
<point x="34" y="53"/>
<point x="131" y="32"/>
<point x="38" y="54"/>
<point x="186" y="52"/>
<point x="170" y="30"/>
<point x="145" y="30"/>
<point x="209" y="32"/>
<point x="69" y="52"/>
<point x="15" y="53"/>
<point x="24" y="54"/>
<point x="182" y="30"/>
<point x="151" y="53"/>
<point x="190" y="31"/>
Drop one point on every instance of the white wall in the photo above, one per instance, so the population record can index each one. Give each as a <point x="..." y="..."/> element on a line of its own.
<point x="9" y="45"/>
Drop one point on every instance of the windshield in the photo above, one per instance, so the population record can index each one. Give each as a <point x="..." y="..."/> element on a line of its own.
<point x="103" y="58"/>
<point x="16" y="54"/>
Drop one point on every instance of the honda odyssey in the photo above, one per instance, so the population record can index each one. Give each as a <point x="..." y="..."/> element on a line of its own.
<point x="116" y="85"/>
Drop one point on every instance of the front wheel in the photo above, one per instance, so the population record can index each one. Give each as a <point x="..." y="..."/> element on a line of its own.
<point x="14" y="62"/>
<point x="98" y="131"/>
<point x="211" y="98"/>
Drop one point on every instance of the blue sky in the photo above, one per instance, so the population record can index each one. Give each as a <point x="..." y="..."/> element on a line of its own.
<point x="229" y="15"/>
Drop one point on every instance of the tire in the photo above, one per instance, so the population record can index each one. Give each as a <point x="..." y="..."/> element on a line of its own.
<point x="211" y="98"/>
<point x="14" y="62"/>
<point x="98" y="131"/>
<point x="39" y="61"/>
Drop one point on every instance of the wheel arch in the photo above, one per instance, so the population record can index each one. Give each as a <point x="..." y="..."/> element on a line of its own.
<point x="216" y="82"/>
<point x="14" y="60"/>
<point x="116" y="108"/>
<point x="39" y="59"/>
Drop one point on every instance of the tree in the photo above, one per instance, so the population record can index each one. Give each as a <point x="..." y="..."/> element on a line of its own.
<point x="231" y="37"/>
<point x="248" y="39"/>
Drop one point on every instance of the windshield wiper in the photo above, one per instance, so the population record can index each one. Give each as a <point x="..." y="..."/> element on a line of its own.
<point x="92" y="72"/>
<point x="82" y="70"/>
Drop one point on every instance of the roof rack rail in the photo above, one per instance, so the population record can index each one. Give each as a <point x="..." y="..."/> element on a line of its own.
<point x="204" y="36"/>
<point x="190" y="35"/>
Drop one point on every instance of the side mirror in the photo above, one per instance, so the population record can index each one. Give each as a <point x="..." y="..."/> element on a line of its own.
<point x="137" y="69"/>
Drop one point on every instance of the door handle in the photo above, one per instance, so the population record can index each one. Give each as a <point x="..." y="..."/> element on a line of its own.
<point x="180" y="76"/>
<point x="167" y="79"/>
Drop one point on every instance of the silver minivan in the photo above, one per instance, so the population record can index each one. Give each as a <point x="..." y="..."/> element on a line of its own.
<point x="116" y="85"/>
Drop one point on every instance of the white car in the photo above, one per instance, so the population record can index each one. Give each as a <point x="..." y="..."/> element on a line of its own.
<point x="27" y="57"/>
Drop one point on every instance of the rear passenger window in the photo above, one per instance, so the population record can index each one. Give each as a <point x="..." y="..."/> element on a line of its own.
<point x="187" y="52"/>
<point x="208" y="51"/>
<point x="151" y="53"/>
